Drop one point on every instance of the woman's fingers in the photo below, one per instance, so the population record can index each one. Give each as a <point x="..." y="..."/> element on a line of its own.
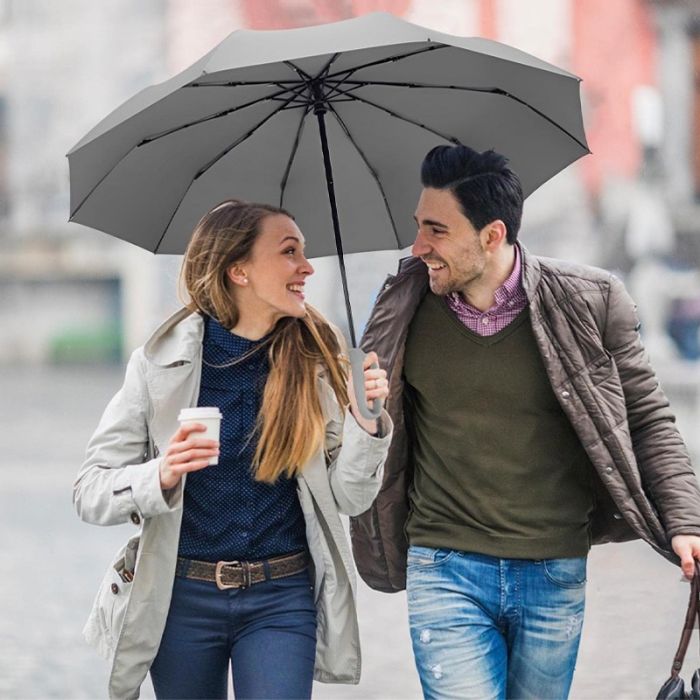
<point x="191" y="466"/>
<point x="377" y="388"/>
<point x="376" y="383"/>
<point x="371" y="358"/>
<point x="184" y="432"/>
<point x="186" y="453"/>
<point x="192" y="454"/>
<point x="186" y="440"/>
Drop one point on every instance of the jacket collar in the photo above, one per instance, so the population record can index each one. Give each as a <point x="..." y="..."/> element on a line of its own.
<point x="176" y="340"/>
<point x="411" y="265"/>
<point x="179" y="339"/>
<point x="531" y="270"/>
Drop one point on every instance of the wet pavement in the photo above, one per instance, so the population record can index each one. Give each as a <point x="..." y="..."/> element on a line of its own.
<point x="52" y="564"/>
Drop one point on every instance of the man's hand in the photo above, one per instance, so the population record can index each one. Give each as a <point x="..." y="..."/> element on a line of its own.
<point x="687" y="547"/>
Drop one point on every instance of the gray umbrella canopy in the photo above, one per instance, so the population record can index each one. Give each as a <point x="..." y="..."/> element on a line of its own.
<point x="246" y="121"/>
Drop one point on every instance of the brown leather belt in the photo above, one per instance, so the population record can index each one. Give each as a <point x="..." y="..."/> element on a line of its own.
<point x="242" y="574"/>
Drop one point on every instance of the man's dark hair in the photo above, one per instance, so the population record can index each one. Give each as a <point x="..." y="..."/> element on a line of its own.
<point x="485" y="187"/>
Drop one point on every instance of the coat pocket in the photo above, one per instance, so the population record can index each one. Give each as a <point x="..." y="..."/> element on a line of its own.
<point x="106" y="618"/>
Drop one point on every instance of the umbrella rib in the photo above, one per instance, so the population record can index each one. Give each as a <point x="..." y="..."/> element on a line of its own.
<point x="467" y="88"/>
<point x="299" y="71"/>
<point x="300" y="105"/>
<point x="327" y="67"/>
<point x="333" y="89"/>
<point x="239" y="83"/>
<point x="210" y="164"/>
<point x="243" y="138"/>
<point x="297" y="99"/>
<point x="373" y="172"/>
<point x="390" y="59"/>
<point x="451" y="139"/>
<point x="211" y="117"/>
<point x="292" y="155"/>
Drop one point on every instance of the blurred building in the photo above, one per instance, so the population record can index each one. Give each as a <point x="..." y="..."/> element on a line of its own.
<point x="63" y="66"/>
<point x="677" y="24"/>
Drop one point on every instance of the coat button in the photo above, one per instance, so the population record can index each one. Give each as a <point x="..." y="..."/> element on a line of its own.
<point x="565" y="394"/>
<point x="135" y="518"/>
<point x="115" y="588"/>
<point x="617" y="516"/>
<point x="608" y="470"/>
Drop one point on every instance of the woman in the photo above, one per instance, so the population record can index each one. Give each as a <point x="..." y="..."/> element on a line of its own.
<point x="247" y="562"/>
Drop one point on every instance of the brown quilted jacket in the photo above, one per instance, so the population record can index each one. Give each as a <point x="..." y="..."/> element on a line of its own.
<point x="587" y="330"/>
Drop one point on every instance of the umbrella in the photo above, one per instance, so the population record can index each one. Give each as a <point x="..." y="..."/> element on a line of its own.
<point x="330" y="122"/>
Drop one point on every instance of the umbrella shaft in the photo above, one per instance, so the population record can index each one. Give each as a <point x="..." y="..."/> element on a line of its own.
<point x="320" y="115"/>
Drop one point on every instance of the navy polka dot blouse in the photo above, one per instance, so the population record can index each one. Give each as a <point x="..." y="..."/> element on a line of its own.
<point x="227" y="514"/>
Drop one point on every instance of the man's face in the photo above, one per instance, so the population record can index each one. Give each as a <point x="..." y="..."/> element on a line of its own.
<point x="447" y="243"/>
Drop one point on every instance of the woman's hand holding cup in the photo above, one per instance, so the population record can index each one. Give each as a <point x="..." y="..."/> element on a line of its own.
<point x="187" y="452"/>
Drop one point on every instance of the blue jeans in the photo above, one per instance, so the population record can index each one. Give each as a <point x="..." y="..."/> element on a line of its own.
<point x="266" y="632"/>
<point x="484" y="627"/>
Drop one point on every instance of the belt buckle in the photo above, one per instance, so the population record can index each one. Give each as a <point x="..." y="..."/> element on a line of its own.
<point x="244" y="568"/>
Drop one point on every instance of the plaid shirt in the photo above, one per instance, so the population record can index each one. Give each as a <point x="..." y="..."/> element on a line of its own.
<point x="510" y="300"/>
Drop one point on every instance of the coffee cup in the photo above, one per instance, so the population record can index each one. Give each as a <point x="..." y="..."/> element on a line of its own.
<point x="208" y="416"/>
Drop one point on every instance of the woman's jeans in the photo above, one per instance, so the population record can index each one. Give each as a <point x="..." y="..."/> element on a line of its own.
<point x="484" y="627"/>
<point x="266" y="632"/>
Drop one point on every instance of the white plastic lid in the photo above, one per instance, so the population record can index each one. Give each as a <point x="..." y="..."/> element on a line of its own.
<point x="199" y="413"/>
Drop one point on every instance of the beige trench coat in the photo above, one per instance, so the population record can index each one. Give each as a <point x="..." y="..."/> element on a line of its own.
<point x="119" y="483"/>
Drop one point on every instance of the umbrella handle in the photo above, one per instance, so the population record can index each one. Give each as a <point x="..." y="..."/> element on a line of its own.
<point x="357" y="357"/>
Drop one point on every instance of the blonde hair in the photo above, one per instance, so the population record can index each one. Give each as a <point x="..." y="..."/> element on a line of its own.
<point x="291" y="426"/>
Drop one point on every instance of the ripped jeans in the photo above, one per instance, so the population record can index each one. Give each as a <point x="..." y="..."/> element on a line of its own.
<point x="484" y="627"/>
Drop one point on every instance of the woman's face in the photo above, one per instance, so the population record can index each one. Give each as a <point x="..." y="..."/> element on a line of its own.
<point x="270" y="285"/>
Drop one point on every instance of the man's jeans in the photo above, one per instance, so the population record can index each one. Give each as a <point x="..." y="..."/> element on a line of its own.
<point x="484" y="627"/>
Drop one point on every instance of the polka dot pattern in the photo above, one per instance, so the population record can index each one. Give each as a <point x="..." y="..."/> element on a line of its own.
<point x="227" y="514"/>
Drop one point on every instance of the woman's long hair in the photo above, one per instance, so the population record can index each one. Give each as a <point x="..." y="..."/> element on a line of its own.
<point x="291" y="425"/>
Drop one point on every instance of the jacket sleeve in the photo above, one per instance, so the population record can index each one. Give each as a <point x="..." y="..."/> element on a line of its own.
<point x="355" y="458"/>
<point x="117" y="481"/>
<point x="662" y="457"/>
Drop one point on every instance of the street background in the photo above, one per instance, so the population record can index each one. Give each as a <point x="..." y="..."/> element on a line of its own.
<point x="75" y="302"/>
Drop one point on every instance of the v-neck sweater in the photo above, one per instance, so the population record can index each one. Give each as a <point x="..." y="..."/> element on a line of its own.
<point x="498" y="469"/>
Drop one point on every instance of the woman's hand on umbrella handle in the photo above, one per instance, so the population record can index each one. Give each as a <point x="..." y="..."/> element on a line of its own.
<point x="186" y="453"/>
<point x="367" y="382"/>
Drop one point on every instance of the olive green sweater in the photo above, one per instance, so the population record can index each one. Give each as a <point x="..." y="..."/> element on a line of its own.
<point x="498" y="468"/>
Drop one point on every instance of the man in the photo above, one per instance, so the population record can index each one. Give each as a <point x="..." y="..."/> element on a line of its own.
<point x="529" y="425"/>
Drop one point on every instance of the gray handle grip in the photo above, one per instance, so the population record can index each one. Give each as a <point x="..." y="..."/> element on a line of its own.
<point x="357" y="357"/>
